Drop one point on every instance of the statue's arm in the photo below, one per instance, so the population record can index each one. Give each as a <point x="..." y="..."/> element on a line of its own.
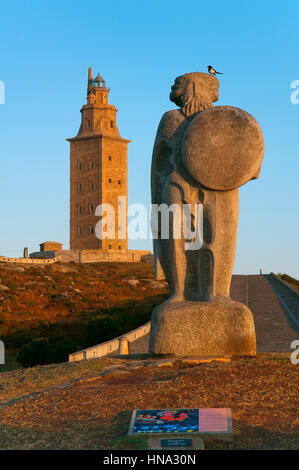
<point x="163" y="158"/>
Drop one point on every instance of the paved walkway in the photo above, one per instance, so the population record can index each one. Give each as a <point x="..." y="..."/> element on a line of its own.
<point x="275" y="328"/>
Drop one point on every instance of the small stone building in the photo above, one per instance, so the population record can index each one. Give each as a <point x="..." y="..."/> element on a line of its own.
<point x="50" y="246"/>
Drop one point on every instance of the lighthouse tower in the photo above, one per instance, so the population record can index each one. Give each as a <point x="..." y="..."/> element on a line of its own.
<point x="98" y="171"/>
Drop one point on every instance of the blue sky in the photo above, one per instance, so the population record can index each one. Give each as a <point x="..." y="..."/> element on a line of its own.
<point x="139" y="47"/>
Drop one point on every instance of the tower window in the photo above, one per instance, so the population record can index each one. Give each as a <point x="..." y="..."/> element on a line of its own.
<point x="110" y="247"/>
<point x="110" y="158"/>
<point x="91" y="230"/>
<point x="91" y="208"/>
<point x="119" y="247"/>
<point x="91" y="186"/>
<point x="95" y="101"/>
<point x="79" y="210"/>
<point x="109" y="180"/>
<point x="79" y="187"/>
<point x="111" y="124"/>
<point x="119" y="182"/>
<point x="92" y="164"/>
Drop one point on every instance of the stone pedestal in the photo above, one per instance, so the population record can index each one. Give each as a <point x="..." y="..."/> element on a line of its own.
<point x="221" y="327"/>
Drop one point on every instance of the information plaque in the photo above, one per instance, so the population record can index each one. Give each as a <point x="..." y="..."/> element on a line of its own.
<point x="192" y="421"/>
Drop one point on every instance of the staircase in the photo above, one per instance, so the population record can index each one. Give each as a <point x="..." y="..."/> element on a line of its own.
<point x="274" y="326"/>
<point x="275" y="308"/>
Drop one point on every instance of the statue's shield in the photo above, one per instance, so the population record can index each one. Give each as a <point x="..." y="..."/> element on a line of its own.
<point x="223" y="148"/>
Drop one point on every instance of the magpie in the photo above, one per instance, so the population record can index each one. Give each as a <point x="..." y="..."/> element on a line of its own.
<point x="212" y="71"/>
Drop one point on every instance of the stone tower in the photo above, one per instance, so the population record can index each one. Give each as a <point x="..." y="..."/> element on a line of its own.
<point x="98" y="171"/>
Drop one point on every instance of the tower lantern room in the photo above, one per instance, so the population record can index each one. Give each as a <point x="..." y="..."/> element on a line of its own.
<point x="99" y="81"/>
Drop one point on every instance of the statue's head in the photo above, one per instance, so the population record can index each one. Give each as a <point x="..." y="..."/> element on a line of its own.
<point x="194" y="92"/>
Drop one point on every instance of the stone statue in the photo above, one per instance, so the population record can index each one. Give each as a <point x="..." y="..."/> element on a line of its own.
<point x="202" y="155"/>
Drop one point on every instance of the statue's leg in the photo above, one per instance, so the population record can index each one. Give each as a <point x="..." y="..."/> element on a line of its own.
<point x="227" y="209"/>
<point x="171" y="250"/>
<point x="205" y="257"/>
<point x="205" y="275"/>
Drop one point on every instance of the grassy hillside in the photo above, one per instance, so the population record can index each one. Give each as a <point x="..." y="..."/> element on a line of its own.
<point x="59" y="301"/>
<point x="88" y="405"/>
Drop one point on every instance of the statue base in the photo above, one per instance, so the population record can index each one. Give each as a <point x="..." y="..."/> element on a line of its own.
<point x="221" y="327"/>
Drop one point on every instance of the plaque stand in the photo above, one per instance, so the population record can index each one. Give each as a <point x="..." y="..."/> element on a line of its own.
<point x="176" y="443"/>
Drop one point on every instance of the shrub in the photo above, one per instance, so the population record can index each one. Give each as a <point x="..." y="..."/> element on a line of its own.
<point x="41" y="352"/>
<point x="37" y="352"/>
<point x="61" y="349"/>
<point x="101" y="330"/>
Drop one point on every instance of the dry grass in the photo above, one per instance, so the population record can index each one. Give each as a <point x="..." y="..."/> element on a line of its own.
<point x="57" y="301"/>
<point x="291" y="280"/>
<point x="95" y="414"/>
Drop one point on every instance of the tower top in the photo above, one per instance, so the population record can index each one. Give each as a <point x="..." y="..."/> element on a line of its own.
<point x="93" y="84"/>
<point x="98" y="116"/>
<point x="99" y="81"/>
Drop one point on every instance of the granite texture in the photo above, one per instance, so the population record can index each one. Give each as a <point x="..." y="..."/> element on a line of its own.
<point x="223" y="148"/>
<point x="221" y="327"/>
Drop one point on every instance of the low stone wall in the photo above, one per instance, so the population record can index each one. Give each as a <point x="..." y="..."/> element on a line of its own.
<point x="65" y="255"/>
<point x="4" y="259"/>
<point x="104" y="349"/>
<point x="95" y="256"/>
<point x="148" y="259"/>
<point x="68" y="256"/>
<point x="287" y="284"/>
